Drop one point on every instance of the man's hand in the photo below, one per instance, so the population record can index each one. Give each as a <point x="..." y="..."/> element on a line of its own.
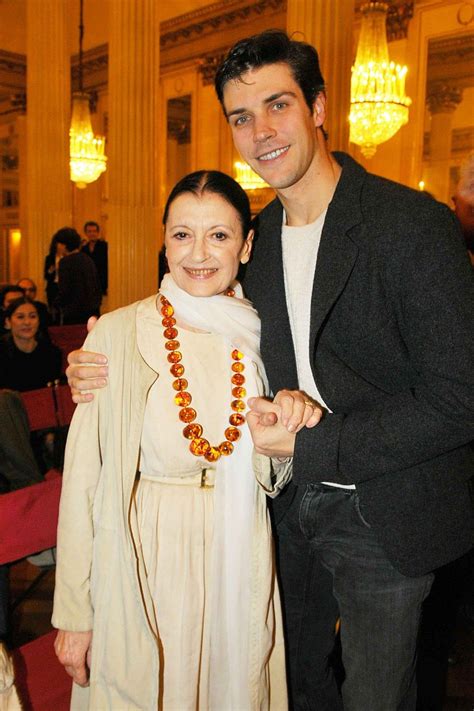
<point x="73" y="649"/>
<point x="273" y="425"/>
<point x="86" y="371"/>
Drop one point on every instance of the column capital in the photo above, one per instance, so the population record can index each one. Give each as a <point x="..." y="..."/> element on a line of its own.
<point x="443" y="99"/>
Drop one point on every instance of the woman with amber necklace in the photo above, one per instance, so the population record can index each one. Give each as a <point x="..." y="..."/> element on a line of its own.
<point x="165" y="588"/>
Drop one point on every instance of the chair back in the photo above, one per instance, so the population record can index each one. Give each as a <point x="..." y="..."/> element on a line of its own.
<point x="68" y="338"/>
<point x="65" y="405"/>
<point x="28" y="522"/>
<point x="40" y="407"/>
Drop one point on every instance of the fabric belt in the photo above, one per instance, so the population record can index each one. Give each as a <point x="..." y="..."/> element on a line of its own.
<point x="205" y="479"/>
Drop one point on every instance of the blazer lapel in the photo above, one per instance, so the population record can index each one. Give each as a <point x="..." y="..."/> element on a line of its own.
<point x="337" y="251"/>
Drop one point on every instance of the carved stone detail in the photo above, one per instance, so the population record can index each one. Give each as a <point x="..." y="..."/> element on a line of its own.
<point x="208" y="66"/>
<point x="444" y="99"/>
<point x="201" y="22"/>
<point x="398" y="18"/>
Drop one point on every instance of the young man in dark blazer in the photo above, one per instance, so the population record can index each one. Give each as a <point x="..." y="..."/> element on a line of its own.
<point x="379" y="496"/>
<point x="366" y="299"/>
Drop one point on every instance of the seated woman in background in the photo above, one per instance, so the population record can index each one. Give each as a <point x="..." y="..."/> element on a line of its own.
<point x="27" y="361"/>
<point x="166" y="596"/>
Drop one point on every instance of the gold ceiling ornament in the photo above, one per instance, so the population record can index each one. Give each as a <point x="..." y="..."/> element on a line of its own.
<point x="379" y="105"/>
<point x="247" y="178"/>
<point x="86" y="151"/>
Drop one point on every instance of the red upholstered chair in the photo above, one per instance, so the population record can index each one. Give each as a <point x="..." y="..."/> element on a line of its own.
<point x="28" y="522"/>
<point x="40" y="407"/>
<point x="64" y="404"/>
<point x="67" y="338"/>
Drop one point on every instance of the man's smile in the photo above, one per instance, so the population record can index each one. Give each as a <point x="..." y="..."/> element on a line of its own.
<point x="273" y="154"/>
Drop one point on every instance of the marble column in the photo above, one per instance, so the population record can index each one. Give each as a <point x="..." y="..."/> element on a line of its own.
<point x="328" y="26"/>
<point x="48" y="194"/>
<point x="442" y="103"/>
<point x="132" y="230"/>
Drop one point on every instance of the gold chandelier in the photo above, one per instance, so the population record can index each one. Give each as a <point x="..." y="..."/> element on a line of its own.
<point x="379" y="105"/>
<point x="86" y="151"/>
<point x="247" y="178"/>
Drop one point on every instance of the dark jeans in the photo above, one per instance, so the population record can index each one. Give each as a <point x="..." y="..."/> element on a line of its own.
<point x="331" y="565"/>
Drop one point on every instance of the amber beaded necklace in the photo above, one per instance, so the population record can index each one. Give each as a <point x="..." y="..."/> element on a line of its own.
<point x="199" y="445"/>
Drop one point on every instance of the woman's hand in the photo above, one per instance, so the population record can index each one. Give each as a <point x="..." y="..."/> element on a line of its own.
<point x="86" y="371"/>
<point x="273" y="425"/>
<point x="73" y="649"/>
<point x="297" y="410"/>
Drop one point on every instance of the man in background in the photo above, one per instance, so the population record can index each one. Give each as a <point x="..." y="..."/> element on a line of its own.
<point x="97" y="249"/>
<point x="79" y="286"/>
<point x="30" y="289"/>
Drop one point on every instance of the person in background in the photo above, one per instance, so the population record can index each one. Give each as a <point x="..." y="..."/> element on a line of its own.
<point x="79" y="291"/>
<point x="27" y="361"/>
<point x="464" y="204"/>
<point x="51" y="263"/>
<point x="8" y="294"/>
<point x="97" y="249"/>
<point x="30" y="289"/>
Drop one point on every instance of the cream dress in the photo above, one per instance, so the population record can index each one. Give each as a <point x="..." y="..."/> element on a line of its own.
<point x="175" y="510"/>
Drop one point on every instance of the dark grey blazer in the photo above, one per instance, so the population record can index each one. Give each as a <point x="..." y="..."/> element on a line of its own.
<point x="392" y="352"/>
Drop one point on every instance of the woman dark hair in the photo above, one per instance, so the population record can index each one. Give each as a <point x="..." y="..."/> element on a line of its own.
<point x="192" y="618"/>
<point x="27" y="361"/>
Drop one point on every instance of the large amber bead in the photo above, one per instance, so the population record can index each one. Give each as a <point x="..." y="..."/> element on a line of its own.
<point x="237" y="419"/>
<point x="183" y="399"/>
<point x="174" y="357"/>
<point x="177" y="370"/>
<point x="226" y="448"/>
<point x="199" y="446"/>
<point x="232" y="434"/>
<point x="239" y="392"/>
<point x="172" y="345"/>
<point x="180" y="384"/>
<point x="237" y="355"/>
<point x="167" y="310"/>
<point x="238" y="379"/>
<point x="212" y="454"/>
<point x="187" y="414"/>
<point x="237" y="405"/>
<point x="168" y="321"/>
<point x="170" y="332"/>
<point x="192" y="431"/>
<point x="238" y="367"/>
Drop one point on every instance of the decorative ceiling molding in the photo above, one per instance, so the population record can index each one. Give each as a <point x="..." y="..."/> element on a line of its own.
<point x="398" y="18"/>
<point x="451" y="60"/>
<point x="208" y="66"/>
<point x="399" y="14"/>
<point x="95" y="64"/>
<point x="214" y="18"/>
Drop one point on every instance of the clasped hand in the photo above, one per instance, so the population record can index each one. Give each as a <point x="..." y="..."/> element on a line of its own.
<point x="274" y="424"/>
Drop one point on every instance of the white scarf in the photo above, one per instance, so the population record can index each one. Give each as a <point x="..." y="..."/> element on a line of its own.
<point x="234" y="497"/>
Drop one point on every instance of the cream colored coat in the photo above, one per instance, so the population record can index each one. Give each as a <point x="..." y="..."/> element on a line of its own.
<point x="100" y="578"/>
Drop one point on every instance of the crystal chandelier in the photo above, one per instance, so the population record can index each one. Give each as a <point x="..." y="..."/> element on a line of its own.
<point x="379" y="105"/>
<point x="247" y="178"/>
<point x="86" y="151"/>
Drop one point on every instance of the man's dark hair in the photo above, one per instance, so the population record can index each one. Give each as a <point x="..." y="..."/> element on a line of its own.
<point x="91" y="223"/>
<point x="69" y="237"/>
<point x="10" y="288"/>
<point x="272" y="47"/>
<point x="217" y="183"/>
<point x="10" y="310"/>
